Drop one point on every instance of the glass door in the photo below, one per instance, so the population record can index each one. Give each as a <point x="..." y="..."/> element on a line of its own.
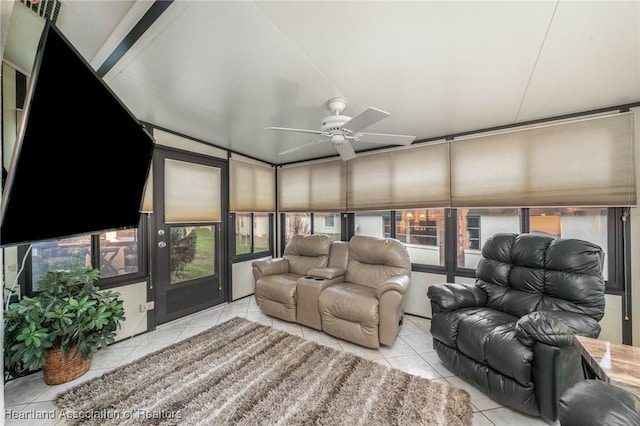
<point x="187" y="235"/>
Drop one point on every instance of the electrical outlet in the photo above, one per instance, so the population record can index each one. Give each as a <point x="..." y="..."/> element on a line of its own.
<point x="144" y="307"/>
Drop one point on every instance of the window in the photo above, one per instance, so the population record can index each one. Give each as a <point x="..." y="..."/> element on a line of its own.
<point x="589" y="224"/>
<point x="261" y="232"/>
<point x="296" y="223"/>
<point x="373" y="224"/>
<point x="476" y="225"/>
<point x="473" y="232"/>
<point x="252" y="233"/>
<point x="423" y="232"/>
<point x="329" y="220"/>
<point x="68" y="253"/>
<point x="325" y="224"/>
<point x="243" y="233"/>
<point x="192" y="252"/>
<point x="118" y="253"/>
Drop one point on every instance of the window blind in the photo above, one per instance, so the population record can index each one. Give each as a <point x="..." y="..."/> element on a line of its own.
<point x="312" y="187"/>
<point x="583" y="163"/>
<point x="416" y="176"/>
<point x="192" y="192"/>
<point x="147" y="198"/>
<point x="251" y="185"/>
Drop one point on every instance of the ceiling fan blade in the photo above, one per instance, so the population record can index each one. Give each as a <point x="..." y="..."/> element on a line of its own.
<point x="364" y="119"/>
<point x="315" y="132"/>
<point x="345" y="150"/>
<point x="299" y="147"/>
<point x="386" y="139"/>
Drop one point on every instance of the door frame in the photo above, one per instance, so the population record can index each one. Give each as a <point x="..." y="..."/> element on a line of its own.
<point x="160" y="153"/>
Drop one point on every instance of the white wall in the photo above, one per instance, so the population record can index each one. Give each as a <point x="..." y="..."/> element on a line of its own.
<point x="417" y="302"/>
<point x="132" y="296"/>
<point x="242" y="281"/>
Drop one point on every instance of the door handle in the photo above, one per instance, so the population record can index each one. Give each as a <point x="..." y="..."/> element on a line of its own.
<point x="162" y="244"/>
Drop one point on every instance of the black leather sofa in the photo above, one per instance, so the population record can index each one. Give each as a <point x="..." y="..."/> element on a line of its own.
<point x="512" y="333"/>
<point x="598" y="403"/>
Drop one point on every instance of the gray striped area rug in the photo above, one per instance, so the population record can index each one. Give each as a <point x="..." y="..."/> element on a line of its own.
<point x="244" y="373"/>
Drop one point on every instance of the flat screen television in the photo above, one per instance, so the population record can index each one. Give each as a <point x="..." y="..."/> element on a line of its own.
<point x="81" y="158"/>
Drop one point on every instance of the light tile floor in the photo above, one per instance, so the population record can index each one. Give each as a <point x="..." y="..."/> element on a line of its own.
<point x="412" y="352"/>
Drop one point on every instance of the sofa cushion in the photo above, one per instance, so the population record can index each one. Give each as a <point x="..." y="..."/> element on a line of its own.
<point x="532" y="272"/>
<point x="488" y="337"/>
<point x="349" y="311"/>
<point x="305" y="252"/>
<point x="276" y="295"/>
<point x="373" y="260"/>
<point x="279" y="288"/>
<point x="352" y="302"/>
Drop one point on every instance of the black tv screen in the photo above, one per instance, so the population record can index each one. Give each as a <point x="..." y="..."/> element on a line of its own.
<point x="81" y="158"/>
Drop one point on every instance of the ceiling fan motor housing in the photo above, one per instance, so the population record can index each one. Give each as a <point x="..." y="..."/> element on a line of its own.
<point x="334" y="122"/>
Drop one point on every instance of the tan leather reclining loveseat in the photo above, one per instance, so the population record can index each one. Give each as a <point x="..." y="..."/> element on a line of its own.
<point x="277" y="279"/>
<point x="354" y="291"/>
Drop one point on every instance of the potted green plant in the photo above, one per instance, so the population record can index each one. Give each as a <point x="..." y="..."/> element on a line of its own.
<point x="62" y="326"/>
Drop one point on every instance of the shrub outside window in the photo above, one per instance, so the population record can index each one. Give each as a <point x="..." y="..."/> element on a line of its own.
<point x="192" y="252"/>
<point x="296" y="223"/>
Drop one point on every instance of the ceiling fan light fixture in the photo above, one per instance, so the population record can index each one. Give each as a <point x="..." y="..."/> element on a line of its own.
<point x="338" y="139"/>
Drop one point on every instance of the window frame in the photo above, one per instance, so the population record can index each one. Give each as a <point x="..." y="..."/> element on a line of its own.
<point x="252" y="254"/>
<point x="26" y="279"/>
<point x="617" y="250"/>
<point x="345" y="231"/>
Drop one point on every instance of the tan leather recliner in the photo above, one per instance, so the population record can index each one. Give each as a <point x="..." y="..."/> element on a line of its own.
<point x="368" y="306"/>
<point x="276" y="279"/>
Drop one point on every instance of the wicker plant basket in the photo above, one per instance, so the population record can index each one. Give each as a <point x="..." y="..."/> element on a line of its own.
<point x="71" y="366"/>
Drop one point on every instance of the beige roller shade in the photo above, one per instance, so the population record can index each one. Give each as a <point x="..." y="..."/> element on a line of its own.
<point x="312" y="187"/>
<point x="417" y="176"/>
<point x="147" y="200"/>
<point x="251" y="185"/>
<point x="192" y="192"/>
<point x="583" y="163"/>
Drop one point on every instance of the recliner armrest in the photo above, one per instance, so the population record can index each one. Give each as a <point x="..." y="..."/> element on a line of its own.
<point x="452" y="296"/>
<point x="327" y="273"/>
<point x="555" y="328"/>
<point x="398" y="283"/>
<point x="271" y="266"/>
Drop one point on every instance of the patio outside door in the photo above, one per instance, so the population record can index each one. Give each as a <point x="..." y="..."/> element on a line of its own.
<point x="187" y="234"/>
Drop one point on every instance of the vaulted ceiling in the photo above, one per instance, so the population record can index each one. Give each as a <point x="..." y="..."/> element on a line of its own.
<point x="222" y="71"/>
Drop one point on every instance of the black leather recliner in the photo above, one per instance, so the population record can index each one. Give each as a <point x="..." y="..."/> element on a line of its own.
<point x="512" y="333"/>
<point x="597" y="403"/>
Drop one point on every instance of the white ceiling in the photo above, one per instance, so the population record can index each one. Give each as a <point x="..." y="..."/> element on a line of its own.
<point x="221" y="71"/>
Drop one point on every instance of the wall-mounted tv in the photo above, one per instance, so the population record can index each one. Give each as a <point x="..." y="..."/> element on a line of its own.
<point x="81" y="158"/>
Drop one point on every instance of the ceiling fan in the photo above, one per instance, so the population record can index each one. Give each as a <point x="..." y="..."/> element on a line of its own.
<point x="341" y="129"/>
